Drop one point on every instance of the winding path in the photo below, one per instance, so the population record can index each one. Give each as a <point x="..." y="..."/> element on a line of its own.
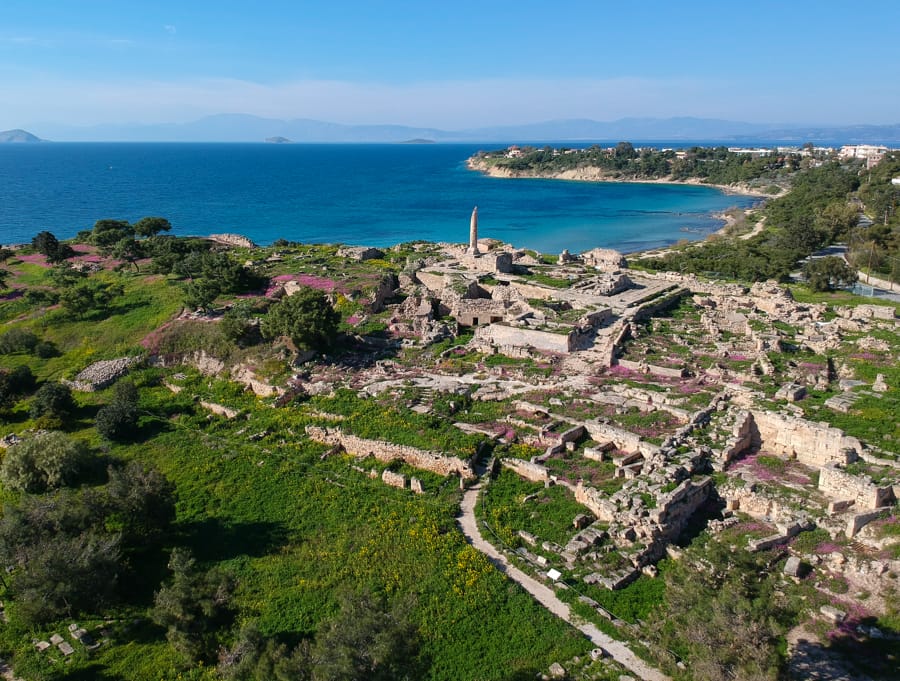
<point x="545" y="595"/>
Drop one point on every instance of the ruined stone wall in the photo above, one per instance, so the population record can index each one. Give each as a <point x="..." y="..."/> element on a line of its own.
<point x="393" y="479"/>
<point x="528" y="470"/>
<point x="388" y="451"/>
<point x="655" y="307"/>
<point x="675" y="507"/>
<point x="813" y="444"/>
<point x="604" y="258"/>
<point x="756" y="503"/>
<point x="744" y="435"/>
<point x="596" y="502"/>
<point x="666" y="372"/>
<point x="488" y="262"/>
<point x="865" y="495"/>
<point x="859" y="521"/>
<point x="607" y="347"/>
<point x="870" y="312"/>
<point x="697" y="286"/>
<point x="622" y="439"/>
<point x="501" y="336"/>
<point x="652" y="369"/>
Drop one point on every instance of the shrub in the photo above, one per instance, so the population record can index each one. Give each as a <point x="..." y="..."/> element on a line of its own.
<point x="118" y="419"/>
<point x="14" y="383"/>
<point x="44" y="461"/>
<point x="17" y="340"/>
<point x="52" y="403"/>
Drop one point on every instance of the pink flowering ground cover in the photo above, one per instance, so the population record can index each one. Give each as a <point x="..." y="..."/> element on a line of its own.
<point x="619" y="370"/>
<point x="34" y="259"/>
<point x="826" y="547"/>
<point x="311" y="280"/>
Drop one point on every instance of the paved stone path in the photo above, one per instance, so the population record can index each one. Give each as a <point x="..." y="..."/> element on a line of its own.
<point x="546" y="596"/>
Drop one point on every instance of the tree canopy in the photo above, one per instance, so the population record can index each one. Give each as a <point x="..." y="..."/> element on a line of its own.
<point x="306" y="317"/>
<point x="828" y="273"/>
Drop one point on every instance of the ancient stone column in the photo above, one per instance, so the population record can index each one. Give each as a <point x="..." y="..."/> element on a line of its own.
<point x="473" y="233"/>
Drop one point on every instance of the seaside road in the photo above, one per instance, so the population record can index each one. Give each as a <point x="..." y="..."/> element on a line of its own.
<point x="620" y="652"/>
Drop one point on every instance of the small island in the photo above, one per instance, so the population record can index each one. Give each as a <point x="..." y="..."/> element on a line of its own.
<point x="18" y="136"/>
<point x="419" y="140"/>
<point x="278" y="140"/>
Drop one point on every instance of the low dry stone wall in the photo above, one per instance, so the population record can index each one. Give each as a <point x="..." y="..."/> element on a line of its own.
<point x="388" y="451"/>
<point x="102" y="374"/>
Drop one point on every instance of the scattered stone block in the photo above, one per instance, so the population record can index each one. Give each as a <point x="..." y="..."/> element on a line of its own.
<point x="842" y="403"/>
<point x="557" y="671"/>
<point x="66" y="648"/>
<point x="879" y="385"/>
<point x="42" y="646"/>
<point x="527" y="537"/>
<point x="587" y="600"/>
<point x="792" y="392"/>
<point x="793" y="567"/>
<point x="581" y="521"/>
<point x="833" y="614"/>
<point x="56" y="639"/>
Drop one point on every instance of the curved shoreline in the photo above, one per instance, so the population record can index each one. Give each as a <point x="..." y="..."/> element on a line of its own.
<point x="593" y="174"/>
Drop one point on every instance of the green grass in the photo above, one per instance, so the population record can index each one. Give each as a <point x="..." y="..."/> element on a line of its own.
<point x="548" y="516"/>
<point x="293" y="529"/>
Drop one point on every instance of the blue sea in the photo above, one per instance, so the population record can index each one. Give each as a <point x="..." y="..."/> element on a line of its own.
<point x="376" y="195"/>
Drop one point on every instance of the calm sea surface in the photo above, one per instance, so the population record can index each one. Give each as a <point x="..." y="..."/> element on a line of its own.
<point x="375" y="195"/>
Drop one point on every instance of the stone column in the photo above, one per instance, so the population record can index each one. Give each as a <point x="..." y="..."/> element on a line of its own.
<point x="473" y="233"/>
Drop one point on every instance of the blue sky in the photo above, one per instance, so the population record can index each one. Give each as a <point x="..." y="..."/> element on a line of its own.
<point x="449" y="64"/>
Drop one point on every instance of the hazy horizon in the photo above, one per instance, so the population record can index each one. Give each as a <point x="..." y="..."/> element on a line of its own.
<point x="469" y="65"/>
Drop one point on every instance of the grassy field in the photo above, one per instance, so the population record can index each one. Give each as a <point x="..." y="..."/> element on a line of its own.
<point x="291" y="528"/>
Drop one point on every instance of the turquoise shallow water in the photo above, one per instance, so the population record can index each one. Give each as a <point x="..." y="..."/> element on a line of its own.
<point x="376" y="195"/>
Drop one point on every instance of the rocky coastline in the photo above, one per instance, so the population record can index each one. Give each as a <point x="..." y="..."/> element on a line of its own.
<point x="593" y="174"/>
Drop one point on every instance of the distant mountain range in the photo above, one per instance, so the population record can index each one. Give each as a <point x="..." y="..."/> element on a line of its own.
<point x="247" y="128"/>
<point x="17" y="137"/>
